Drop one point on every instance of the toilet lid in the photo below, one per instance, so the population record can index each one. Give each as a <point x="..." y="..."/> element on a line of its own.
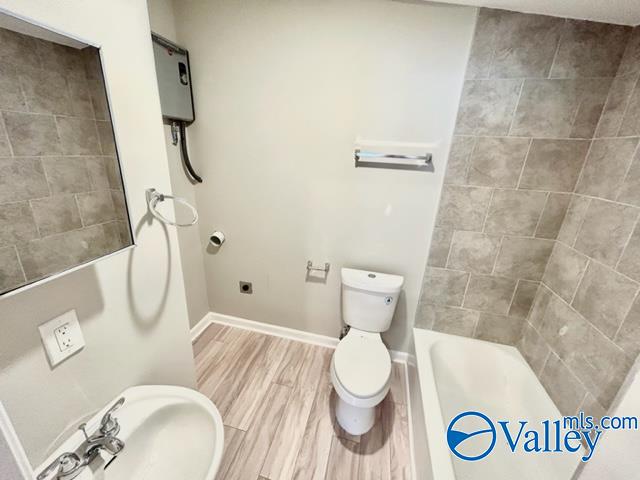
<point x="362" y="364"/>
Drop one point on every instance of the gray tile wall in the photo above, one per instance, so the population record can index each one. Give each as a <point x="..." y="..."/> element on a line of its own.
<point x="537" y="241"/>
<point x="61" y="195"/>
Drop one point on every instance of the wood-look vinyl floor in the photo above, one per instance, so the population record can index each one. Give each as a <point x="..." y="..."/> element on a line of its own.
<point x="277" y="402"/>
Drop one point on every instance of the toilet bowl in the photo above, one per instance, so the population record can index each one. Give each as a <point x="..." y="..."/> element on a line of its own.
<point x="361" y="364"/>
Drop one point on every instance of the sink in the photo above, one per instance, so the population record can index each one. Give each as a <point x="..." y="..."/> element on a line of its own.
<point x="169" y="433"/>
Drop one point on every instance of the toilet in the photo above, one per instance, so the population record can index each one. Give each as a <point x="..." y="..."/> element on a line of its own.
<point x="361" y="364"/>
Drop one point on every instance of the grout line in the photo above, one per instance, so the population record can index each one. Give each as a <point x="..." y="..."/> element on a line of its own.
<point x="24" y="274"/>
<point x="513" y="296"/>
<point x="544" y="207"/>
<point x="6" y="135"/>
<point x="626" y="244"/>
<point x="563" y="32"/>
<point x="495" y="261"/>
<point x="524" y="164"/>
<point x="634" y="157"/>
<point x="591" y="324"/>
<point x="626" y="316"/>
<point x="579" y="229"/>
<point x="466" y="289"/>
<point x="486" y="214"/>
<point x="608" y="267"/>
<point x="515" y="108"/>
<point x="582" y="275"/>
<point x="584" y="164"/>
<point x="626" y="107"/>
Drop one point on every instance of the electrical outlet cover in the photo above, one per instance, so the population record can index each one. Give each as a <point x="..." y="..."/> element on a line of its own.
<point x="61" y="337"/>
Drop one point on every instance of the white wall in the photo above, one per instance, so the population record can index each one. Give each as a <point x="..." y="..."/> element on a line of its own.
<point x="162" y="21"/>
<point x="132" y="306"/>
<point x="282" y="90"/>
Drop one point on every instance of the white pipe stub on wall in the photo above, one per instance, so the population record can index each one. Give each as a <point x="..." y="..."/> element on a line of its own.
<point x="217" y="239"/>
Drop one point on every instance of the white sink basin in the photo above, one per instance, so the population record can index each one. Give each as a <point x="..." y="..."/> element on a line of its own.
<point x="169" y="433"/>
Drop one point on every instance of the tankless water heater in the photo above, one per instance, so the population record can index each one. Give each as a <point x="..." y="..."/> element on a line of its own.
<point x="174" y="80"/>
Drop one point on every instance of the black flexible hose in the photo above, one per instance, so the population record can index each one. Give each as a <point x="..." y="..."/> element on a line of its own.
<point x="185" y="154"/>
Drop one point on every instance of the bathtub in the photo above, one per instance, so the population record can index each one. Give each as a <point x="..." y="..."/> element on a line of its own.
<point x="449" y="375"/>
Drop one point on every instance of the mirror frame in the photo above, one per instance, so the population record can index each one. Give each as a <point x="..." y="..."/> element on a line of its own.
<point x="54" y="276"/>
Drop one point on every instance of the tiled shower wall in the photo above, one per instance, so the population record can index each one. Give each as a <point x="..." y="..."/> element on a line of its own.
<point x="61" y="195"/>
<point x="523" y="174"/>
<point x="584" y="330"/>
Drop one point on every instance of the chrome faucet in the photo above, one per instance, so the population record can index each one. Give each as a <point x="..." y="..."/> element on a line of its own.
<point x="70" y="464"/>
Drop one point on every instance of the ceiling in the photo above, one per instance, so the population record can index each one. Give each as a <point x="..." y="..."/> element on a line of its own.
<point x="625" y="12"/>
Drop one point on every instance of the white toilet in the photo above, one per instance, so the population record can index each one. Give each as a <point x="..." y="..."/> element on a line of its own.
<point x="361" y="365"/>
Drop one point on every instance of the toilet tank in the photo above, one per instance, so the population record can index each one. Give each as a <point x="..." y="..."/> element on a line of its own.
<point x="369" y="299"/>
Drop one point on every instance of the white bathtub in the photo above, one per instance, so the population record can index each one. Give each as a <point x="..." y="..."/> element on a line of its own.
<point x="451" y="375"/>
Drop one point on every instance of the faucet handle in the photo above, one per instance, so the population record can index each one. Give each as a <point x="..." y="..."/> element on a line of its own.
<point x="109" y="425"/>
<point x="65" y="464"/>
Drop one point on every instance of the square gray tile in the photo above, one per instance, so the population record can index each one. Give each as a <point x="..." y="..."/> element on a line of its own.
<point x="563" y="387"/>
<point x="96" y="207"/>
<point x="497" y="161"/>
<point x="630" y="189"/>
<point x="98" y="171"/>
<point x="455" y="321"/>
<point x="523" y="299"/>
<point x="46" y="92"/>
<point x="107" y="141"/>
<point x="562" y="328"/>
<point x="630" y="260"/>
<point x="67" y="174"/>
<point x="564" y="271"/>
<point x="486" y="106"/>
<point x="533" y="348"/>
<point x="22" y="179"/>
<point x="56" y="214"/>
<point x="514" y="212"/>
<point x="554" y="165"/>
<point x="489" y="294"/>
<point x="473" y="252"/>
<point x="524" y="258"/>
<point x="78" y="136"/>
<point x="606" y="230"/>
<point x="616" y="105"/>
<point x="553" y="215"/>
<point x="80" y="97"/>
<point x="439" y="250"/>
<point x="606" y="165"/>
<point x="525" y="45"/>
<point x="539" y="307"/>
<point x="11" y="97"/>
<point x="604" y="297"/>
<point x="560" y="108"/>
<point x="483" y="43"/>
<point x="630" y="62"/>
<point x="18" y="49"/>
<point x="16" y="223"/>
<point x="463" y="208"/>
<point x="499" y="329"/>
<point x="444" y="287"/>
<point x="32" y="135"/>
<point x="573" y="219"/>
<point x="590" y="49"/>
<point x="600" y="365"/>
<point x="11" y="275"/>
<point x="631" y="119"/>
<point x="628" y="337"/>
<point x="458" y="163"/>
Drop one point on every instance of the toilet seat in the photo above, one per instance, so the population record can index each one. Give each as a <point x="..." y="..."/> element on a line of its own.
<point x="362" y="364"/>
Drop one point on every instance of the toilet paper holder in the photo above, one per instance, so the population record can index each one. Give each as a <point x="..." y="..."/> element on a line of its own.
<point x="311" y="268"/>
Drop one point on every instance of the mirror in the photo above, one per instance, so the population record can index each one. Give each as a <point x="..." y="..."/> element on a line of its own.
<point x="62" y="201"/>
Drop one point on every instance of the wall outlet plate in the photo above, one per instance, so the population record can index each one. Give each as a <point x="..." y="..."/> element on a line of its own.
<point x="61" y="337"/>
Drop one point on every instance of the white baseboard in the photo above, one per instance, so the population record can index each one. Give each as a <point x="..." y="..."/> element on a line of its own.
<point x="200" y="327"/>
<point x="276" y="331"/>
